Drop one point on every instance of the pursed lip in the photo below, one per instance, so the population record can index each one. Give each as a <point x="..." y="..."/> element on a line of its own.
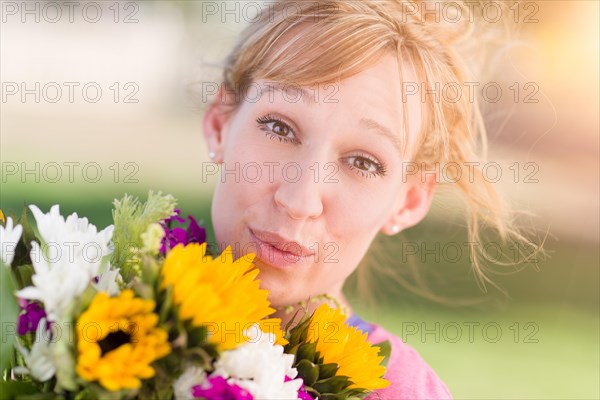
<point x="282" y="243"/>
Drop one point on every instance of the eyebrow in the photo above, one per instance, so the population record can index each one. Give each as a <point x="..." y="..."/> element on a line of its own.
<point x="368" y="123"/>
<point x="382" y="131"/>
<point x="307" y="97"/>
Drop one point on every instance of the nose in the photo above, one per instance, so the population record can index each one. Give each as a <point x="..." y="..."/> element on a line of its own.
<point x="299" y="192"/>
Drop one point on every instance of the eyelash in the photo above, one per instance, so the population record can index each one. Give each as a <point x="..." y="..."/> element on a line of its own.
<point x="380" y="168"/>
<point x="262" y="121"/>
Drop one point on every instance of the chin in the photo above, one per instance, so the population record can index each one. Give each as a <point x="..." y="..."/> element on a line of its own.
<point x="278" y="295"/>
<point x="279" y="289"/>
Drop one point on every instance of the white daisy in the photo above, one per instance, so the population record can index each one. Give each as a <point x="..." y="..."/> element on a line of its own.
<point x="108" y="282"/>
<point x="260" y="366"/>
<point x="191" y="377"/>
<point x="9" y="237"/>
<point x="73" y="235"/>
<point x="56" y="284"/>
<point x="72" y="254"/>
<point x="39" y="360"/>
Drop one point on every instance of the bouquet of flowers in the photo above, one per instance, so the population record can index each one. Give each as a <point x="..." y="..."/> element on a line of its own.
<point x="145" y="309"/>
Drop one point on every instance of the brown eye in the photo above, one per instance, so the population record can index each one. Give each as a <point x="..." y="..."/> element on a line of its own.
<point x="275" y="128"/>
<point x="362" y="163"/>
<point x="280" y="128"/>
<point x="366" y="166"/>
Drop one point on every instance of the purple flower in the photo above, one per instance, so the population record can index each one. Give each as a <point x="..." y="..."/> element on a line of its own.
<point x="178" y="235"/>
<point x="217" y="388"/>
<point x="196" y="232"/>
<point x="174" y="217"/>
<point x="302" y="393"/>
<point x="28" y="321"/>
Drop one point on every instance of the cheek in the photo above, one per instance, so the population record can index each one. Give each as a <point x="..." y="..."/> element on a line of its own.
<point x="223" y="215"/>
<point x="353" y="223"/>
<point x="342" y="258"/>
<point x="238" y="198"/>
<point x="357" y="213"/>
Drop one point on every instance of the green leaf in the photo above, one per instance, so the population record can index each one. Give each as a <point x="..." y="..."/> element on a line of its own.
<point x="64" y="353"/>
<point x="28" y="231"/>
<point x="304" y="330"/>
<point x="385" y="349"/>
<point x="355" y="394"/>
<point x="84" y="301"/>
<point x="327" y="370"/>
<point x="24" y="274"/>
<point x="292" y="320"/>
<point x="332" y="396"/>
<point x="292" y="350"/>
<point x="9" y="310"/>
<point x="86" y="394"/>
<point x="308" y="371"/>
<point x="201" y="356"/>
<point x="307" y="351"/>
<point x="318" y="359"/>
<point x="131" y="219"/>
<point x="41" y="396"/>
<point x="150" y="270"/>
<point x="332" y="385"/>
<point x="197" y="336"/>
<point x="12" y="389"/>
<point x="166" y="304"/>
<point x="299" y="333"/>
<point x="24" y="245"/>
<point x="95" y="391"/>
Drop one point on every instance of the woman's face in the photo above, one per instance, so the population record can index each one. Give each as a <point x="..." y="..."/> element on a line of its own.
<point x="326" y="173"/>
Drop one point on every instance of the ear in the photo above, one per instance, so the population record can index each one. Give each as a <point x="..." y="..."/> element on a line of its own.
<point x="215" y="122"/>
<point x="415" y="203"/>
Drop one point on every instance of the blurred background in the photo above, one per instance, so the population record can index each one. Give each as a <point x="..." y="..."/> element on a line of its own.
<point x="94" y="105"/>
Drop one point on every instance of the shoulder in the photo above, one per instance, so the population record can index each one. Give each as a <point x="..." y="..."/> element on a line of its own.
<point x="409" y="375"/>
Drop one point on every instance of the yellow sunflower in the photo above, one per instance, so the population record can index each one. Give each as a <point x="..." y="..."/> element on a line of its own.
<point x="117" y="340"/>
<point x="348" y="347"/>
<point x="221" y="294"/>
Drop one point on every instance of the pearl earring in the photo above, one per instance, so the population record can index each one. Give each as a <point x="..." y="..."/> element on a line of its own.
<point x="212" y="154"/>
<point x="395" y="229"/>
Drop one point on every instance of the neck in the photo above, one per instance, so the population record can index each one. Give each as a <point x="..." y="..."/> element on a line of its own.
<point x="286" y="313"/>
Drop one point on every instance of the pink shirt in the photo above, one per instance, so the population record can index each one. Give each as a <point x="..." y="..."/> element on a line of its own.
<point x="410" y="377"/>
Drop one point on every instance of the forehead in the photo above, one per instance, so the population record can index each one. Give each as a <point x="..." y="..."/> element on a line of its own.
<point x="376" y="88"/>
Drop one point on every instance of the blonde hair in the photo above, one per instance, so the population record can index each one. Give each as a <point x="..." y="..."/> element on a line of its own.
<point x="318" y="42"/>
